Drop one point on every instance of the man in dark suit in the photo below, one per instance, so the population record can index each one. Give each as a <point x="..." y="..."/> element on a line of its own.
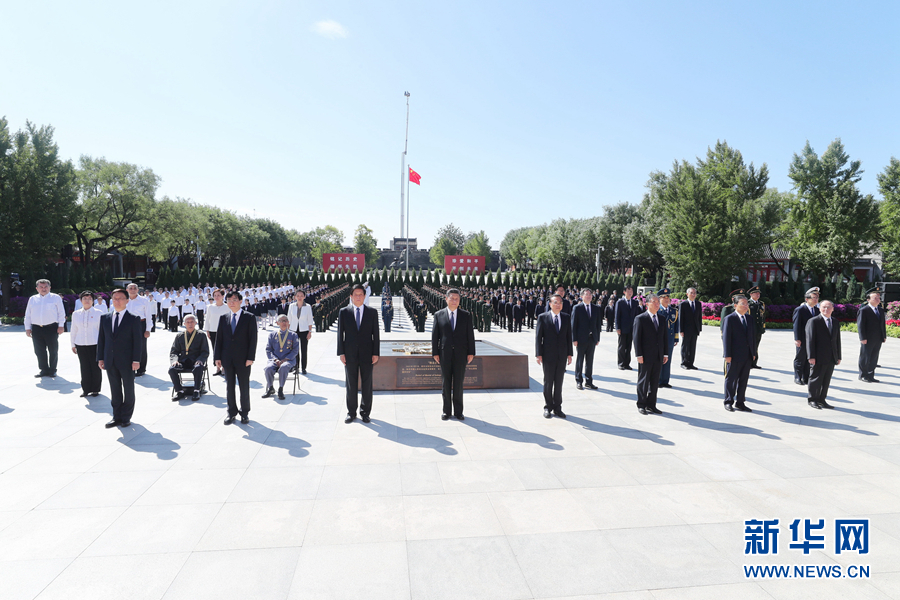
<point x="553" y="349"/>
<point x="870" y="322"/>
<point x="358" y="347"/>
<point x="823" y="345"/>
<point x="650" y="348"/>
<point x="119" y="348"/>
<point x="627" y="309"/>
<point x="609" y="311"/>
<point x="691" y="311"/>
<point x="802" y="314"/>
<point x="566" y="305"/>
<point x="585" y="337"/>
<point x="453" y="347"/>
<point x="235" y="352"/>
<point x="739" y="346"/>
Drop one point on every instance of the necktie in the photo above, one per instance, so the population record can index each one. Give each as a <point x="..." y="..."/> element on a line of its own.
<point x="116" y="324"/>
<point x="233" y="322"/>
<point x="358" y="318"/>
<point x="744" y="322"/>
<point x="655" y="322"/>
<point x="453" y="321"/>
<point x="828" y="322"/>
<point x="588" y="307"/>
<point x="556" y="320"/>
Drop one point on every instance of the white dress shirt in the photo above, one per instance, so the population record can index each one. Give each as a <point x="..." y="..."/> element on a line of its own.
<point x="213" y="314"/>
<point x="140" y="307"/>
<point x="85" y="326"/>
<point x="45" y="310"/>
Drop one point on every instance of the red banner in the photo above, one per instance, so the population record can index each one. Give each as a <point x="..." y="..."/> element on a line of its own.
<point x="343" y="262"/>
<point x="473" y="265"/>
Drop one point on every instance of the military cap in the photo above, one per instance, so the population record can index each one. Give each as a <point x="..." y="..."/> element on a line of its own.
<point x="737" y="292"/>
<point x="754" y="290"/>
<point x="811" y="291"/>
<point x="663" y="292"/>
<point x="875" y="290"/>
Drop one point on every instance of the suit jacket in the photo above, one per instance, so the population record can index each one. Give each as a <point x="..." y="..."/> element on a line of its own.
<point x="550" y="344"/>
<point x="239" y="346"/>
<point x="446" y="341"/>
<point x="820" y="344"/>
<point x="801" y="317"/>
<point x="649" y="341"/>
<point x="871" y="326"/>
<point x="691" y="320"/>
<point x="737" y="343"/>
<point x="583" y="326"/>
<point x="291" y="346"/>
<point x="123" y="347"/>
<point x="198" y="352"/>
<point x="626" y="311"/>
<point x="363" y="343"/>
<point x="518" y="312"/>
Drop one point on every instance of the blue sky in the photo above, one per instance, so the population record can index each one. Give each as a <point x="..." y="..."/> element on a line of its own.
<point x="521" y="112"/>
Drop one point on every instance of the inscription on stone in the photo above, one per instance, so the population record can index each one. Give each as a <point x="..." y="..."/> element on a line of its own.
<point x="414" y="372"/>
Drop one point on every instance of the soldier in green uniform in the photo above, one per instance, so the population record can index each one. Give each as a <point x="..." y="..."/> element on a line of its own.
<point x="758" y="315"/>
<point x="487" y="312"/>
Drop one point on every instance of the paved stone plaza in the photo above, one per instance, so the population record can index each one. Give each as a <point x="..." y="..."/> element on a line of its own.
<point x="606" y="504"/>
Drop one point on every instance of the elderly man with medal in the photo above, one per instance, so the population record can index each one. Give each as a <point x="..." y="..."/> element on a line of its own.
<point x="190" y="352"/>
<point x="282" y="350"/>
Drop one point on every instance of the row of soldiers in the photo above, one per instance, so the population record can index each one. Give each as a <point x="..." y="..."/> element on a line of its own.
<point x="328" y="305"/>
<point x="476" y="301"/>
<point x="417" y="307"/>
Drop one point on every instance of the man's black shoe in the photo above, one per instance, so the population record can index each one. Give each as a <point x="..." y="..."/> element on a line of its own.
<point x="460" y="417"/>
<point x="124" y="423"/>
<point x="591" y="386"/>
<point x="111" y="424"/>
<point x="797" y="381"/>
<point x="665" y="385"/>
<point x="444" y="416"/>
<point x="742" y="408"/>
<point x="643" y="411"/>
<point x="304" y="371"/>
<point x="195" y="396"/>
<point x="579" y="386"/>
<point x="281" y="393"/>
<point x="547" y="414"/>
<point x="365" y="418"/>
<point x="654" y="410"/>
<point x="245" y="420"/>
<point x="814" y="404"/>
<point x="824" y="404"/>
<point x="349" y="418"/>
<point x="229" y="420"/>
<point x="729" y="408"/>
<point x="269" y="393"/>
<point x="559" y="414"/>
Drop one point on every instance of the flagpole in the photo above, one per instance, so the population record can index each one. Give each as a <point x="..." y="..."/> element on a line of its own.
<point x="403" y="170"/>
<point x="407" y="221"/>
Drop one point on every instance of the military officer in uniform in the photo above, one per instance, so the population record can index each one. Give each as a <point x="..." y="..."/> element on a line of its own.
<point x="758" y="316"/>
<point x="729" y="308"/>
<point x="668" y="315"/>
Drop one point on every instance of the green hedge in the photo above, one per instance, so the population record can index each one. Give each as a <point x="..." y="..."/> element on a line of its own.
<point x="12" y="320"/>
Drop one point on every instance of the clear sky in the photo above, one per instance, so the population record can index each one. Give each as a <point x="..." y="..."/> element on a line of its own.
<point x="521" y="112"/>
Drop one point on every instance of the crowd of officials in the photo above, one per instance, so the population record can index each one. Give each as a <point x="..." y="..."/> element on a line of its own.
<point x="566" y="323"/>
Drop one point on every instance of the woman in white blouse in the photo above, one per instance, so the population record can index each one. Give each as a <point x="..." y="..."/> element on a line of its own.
<point x="84" y="334"/>
<point x="301" y="317"/>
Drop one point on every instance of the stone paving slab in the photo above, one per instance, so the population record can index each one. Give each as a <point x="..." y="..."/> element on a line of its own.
<point x="606" y="504"/>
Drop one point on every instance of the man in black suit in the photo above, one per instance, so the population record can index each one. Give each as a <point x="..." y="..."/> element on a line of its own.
<point x="739" y="347"/>
<point x="627" y="309"/>
<point x="453" y="347"/>
<point x="553" y="348"/>
<point x="609" y="311"/>
<point x="566" y="305"/>
<point x="823" y="344"/>
<point x="802" y="314"/>
<point x="358" y="347"/>
<point x="119" y="348"/>
<point x="585" y="337"/>
<point x="870" y="322"/>
<point x="235" y="352"/>
<point x="691" y="311"/>
<point x="651" y="350"/>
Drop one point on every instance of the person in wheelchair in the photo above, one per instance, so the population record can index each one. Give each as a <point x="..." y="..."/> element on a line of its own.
<point x="189" y="353"/>
<point x="281" y="349"/>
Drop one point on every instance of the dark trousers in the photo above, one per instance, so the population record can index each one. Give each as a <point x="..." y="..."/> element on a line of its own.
<point x="517" y="326"/>
<point x="801" y="364"/>
<point x="688" y="349"/>
<point x="756" y="348"/>
<point x="737" y="373"/>
<point x="121" y="391"/>
<point x="554" y="372"/>
<point x="46" y="347"/>
<point x="143" y="347"/>
<point x="625" y="349"/>
<point x="173" y="323"/>
<point x="530" y="322"/>
<point x="201" y="318"/>
<point x="584" y="358"/>
<point x="819" y="380"/>
<point x="153" y="320"/>
<point x="242" y="373"/>
<point x="358" y="376"/>
<point x="453" y="376"/>
<point x="195" y="368"/>
<point x="868" y="358"/>
<point x="91" y="375"/>
<point x="648" y="383"/>
<point x="502" y="320"/>
<point x="165" y="317"/>
<point x="304" y="344"/>
<point x="212" y="344"/>
<point x="387" y="325"/>
<point x="609" y="323"/>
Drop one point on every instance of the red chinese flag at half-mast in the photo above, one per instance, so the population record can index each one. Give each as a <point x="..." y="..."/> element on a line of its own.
<point x="415" y="177"/>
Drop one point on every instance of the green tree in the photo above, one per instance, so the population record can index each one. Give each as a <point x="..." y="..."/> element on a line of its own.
<point x="364" y="242"/>
<point x="452" y="233"/>
<point x="830" y="223"/>
<point x="37" y="198"/>
<point x="325" y="240"/>
<point x="442" y="247"/>
<point x="478" y="244"/>
<point x="116" y="208"/>
<point x="889" y="186"/>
